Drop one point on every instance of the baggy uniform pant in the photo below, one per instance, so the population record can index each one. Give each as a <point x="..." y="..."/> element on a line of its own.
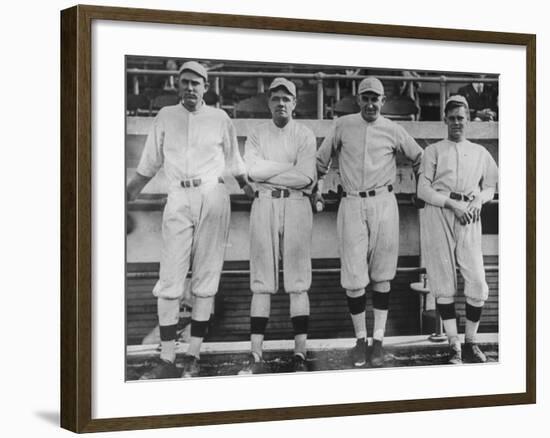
<point x="368" y="237"/>
<point x="280" y="228"/>
<point x="446" y="245"/>
<point x="195" y="227"/>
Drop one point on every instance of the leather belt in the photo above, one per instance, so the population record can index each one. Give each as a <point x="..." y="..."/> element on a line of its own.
<point x="196" y="182"/>
<point x="280" y="193"/>
<point x="370" y="193"/>
<point x="460" y="197"/>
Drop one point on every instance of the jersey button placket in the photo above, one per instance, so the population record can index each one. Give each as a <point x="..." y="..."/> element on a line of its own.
<point x="187" y="144"/>
<point x="456" y="152"/>
<point x="461" y="163"/>
<point x="365" y="158"/>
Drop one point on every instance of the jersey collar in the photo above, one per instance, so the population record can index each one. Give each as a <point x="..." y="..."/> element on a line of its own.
<point x="376" y="122"/>
<point x="284" y="128"/>
<point x="197" y="111"/>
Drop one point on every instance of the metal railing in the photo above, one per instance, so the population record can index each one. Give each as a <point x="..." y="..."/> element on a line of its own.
<point x="321" y="79"/>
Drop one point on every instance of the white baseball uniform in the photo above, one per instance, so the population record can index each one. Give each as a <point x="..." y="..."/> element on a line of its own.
<point x="281" y="216"/>
<point x="196" y="149"/>
<point x="368" y="226"/>
<point x="464" y="168"/>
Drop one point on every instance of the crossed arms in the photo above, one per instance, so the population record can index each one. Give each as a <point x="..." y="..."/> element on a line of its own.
<point x="297" y="175"/>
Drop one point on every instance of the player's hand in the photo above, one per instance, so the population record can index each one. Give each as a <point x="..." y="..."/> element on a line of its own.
<point x="130" y="223"/>
<point x="248" y="191"/>
<point x="131" y="195"/>
<point x="462" y="213"/>
<point x="474" y="208"/>
<point x="417" y="202"/>
<point x="485" y="115"/>
<point x="317" y="202"/>
<point x="490" y="114"/>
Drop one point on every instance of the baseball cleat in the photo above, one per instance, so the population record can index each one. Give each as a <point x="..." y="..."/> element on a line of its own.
<point x="359" y="353"/>
<point x="299" y="364"/>
<point x="253" y="366"/>
<point x="378" y="355"/>
<point x="163" y="370"/>
<point x="191" y="367"/>
<point x="473" y="354"/>
<point x="455" y="354"/>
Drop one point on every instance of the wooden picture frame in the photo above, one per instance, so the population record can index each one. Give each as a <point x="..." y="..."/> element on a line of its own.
<point x="76" y="217"/>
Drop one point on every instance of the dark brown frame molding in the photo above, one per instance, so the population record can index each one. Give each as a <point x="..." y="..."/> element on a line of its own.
<point x="76" y="223"/>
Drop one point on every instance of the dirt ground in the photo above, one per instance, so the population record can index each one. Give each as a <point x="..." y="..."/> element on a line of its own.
<point x="330" y="360"/>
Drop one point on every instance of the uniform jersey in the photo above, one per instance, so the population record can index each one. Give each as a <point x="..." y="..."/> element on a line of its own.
<point x="465" y="168"/>
<point x="280" y="227"/>
<point x="190" y="145"/>
<point x="367" y="227"/>
<point x="366" y="151"/>
<point x="269" y="145"/>
<point x="198" y="145"/>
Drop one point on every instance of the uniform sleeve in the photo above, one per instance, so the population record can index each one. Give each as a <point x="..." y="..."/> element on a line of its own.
<point x="152" y="156"/>
<point x="302" y="173"/>
<point x="409" y="147"/>
<point x="258" y="168"/>
<point x="427" y="172"/>
<point x="328" y="147"/>
<point x="251" y="151"/>
<point x="490" y="172"/>
<point x="233" y="161"/>
<point x="305" y="161"/>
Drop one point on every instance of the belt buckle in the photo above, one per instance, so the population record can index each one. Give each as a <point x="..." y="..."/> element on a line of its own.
<point x="455" y="196"/>
<point x="363" y="194"/>
<point x="285" y="193"/>
<point x="275" y="193"/>
<point x="371" y="193"/>
<point x="188" y="183"/>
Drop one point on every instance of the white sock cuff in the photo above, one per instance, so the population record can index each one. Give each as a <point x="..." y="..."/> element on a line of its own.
<point x="378" y="335"/>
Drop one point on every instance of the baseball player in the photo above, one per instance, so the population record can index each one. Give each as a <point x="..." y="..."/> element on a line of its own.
<point x="195" y="144"/>
<point x="456" y="178"/>
<point x="368" y="219"/>
<point x="280" y="159"/>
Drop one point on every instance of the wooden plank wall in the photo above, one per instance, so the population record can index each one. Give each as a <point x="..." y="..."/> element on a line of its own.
<point x="329" y="314"/>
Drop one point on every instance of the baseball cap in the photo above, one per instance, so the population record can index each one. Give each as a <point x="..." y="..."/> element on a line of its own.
<point x="195" y="67"/>
<point x="458" y="99"/>
<point x="371" y="84"/>
<point x="285" y="83"/>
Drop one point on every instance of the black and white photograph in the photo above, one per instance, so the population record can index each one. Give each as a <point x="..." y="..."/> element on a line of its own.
<point x="307" y="218"/>
<point x="275" y="219"/>
<point x="266" y="218"/>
